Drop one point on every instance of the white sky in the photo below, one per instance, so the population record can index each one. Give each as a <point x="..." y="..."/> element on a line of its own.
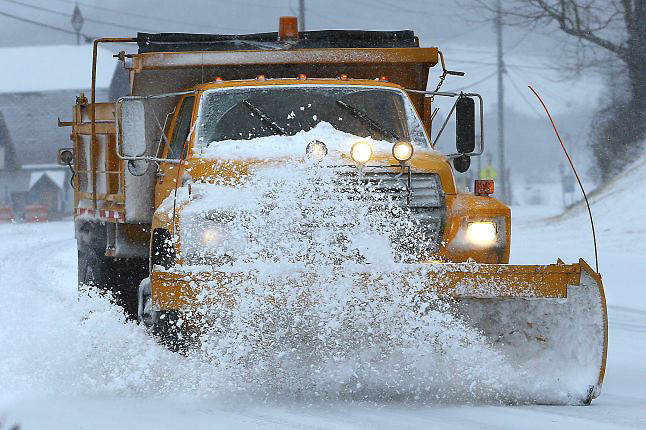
<point x="56" y="67"/>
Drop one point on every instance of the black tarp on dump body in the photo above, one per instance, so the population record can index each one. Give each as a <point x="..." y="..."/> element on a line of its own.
<point x="185" y="42"/>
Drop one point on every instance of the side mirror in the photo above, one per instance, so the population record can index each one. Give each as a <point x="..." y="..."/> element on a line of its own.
<point x="133" y="127"/>
<point x="465" y="125"/>
<point x="65" y="156"/>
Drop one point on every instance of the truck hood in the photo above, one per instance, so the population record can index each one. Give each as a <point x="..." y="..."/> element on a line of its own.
<point x="232" y="171"/>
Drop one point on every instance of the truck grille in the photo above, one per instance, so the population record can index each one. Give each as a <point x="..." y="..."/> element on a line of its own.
<point x="420" y="193"/>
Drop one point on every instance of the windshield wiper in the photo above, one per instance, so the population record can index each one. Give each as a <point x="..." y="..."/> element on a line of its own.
<point x="357" y="113"/>
<point x="263" y="116"/>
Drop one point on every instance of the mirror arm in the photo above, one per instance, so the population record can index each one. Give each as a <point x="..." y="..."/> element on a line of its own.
<point x="445" y="71"/>
<point x="452" y="94"/>
<point x="446" y="121"/>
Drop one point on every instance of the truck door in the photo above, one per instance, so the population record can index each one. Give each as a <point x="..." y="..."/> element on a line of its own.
<point x="181" y="127"/>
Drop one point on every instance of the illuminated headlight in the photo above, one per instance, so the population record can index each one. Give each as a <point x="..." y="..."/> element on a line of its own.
<point x="361" y="152"/>
<point x="212" y="237"/>
<point x="316" y="149"/>
<point x="402" y="151"/>
<point x="482" y="233"/>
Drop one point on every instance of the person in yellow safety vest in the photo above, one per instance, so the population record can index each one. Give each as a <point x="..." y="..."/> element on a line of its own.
<point x="487" y="172"/>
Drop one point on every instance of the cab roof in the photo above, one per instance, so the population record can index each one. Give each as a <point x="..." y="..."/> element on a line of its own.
<point x="296" y="81"/>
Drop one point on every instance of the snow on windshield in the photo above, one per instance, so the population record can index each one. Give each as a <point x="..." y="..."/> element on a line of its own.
<point x="267" y="147"/>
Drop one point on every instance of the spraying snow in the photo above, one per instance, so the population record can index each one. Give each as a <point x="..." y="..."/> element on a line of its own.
<point x="299" y="328"/>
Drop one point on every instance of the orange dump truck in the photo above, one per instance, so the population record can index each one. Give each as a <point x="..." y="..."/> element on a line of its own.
<point x="190" y="93"/>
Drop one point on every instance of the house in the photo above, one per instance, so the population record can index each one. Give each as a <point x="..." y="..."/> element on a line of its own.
<point x="38" y="85"/>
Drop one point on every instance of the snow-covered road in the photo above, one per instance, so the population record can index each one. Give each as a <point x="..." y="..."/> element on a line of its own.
<point x="59" y="372"/>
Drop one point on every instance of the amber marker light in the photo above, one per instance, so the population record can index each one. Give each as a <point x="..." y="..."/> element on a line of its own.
<point x="288" y="28"/>
<point x="343" y="77"/>
<point x="402" y="151"/>
<point x="361" y="152"/>
<point x="483" y="187"/>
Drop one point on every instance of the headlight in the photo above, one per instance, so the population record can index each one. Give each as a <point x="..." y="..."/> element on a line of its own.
<point x="316" y="149"/>
<point x="482" y="233"/>
<point x="361" y="152"/>
<point x="212" y="237"/>
<point x="402" y="151"/>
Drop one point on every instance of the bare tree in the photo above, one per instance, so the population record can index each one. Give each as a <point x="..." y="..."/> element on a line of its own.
<point x="616" y="27"/>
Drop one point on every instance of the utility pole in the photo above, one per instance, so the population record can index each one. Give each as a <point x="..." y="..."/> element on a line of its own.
<point x="301" y="15"/>
<point x="77" y="23"/>
<point x="502" y="172"/>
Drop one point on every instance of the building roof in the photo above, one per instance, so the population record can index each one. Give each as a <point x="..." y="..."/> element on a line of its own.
<point x="32" y="122"/>
<point x="39" y="84"/>
<point x="52" y="68"/>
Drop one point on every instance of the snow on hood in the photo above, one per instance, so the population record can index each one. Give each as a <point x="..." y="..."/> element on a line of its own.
<point x="269" y="147"/>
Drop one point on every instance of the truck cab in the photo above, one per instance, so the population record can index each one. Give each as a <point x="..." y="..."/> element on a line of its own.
<point x="235" y="160"/>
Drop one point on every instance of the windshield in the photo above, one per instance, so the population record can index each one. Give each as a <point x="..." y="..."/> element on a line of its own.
<point x="255" y="112"/>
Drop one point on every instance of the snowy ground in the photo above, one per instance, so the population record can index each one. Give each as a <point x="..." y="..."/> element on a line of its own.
<point x="59" y="372"/>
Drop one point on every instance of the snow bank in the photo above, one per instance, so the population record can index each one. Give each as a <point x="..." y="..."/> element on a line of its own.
<point x="618" y="205"/>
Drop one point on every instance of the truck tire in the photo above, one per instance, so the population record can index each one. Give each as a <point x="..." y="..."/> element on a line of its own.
<point x="146" y="315"/>
<point x="117" y="276"/>
<point x="121" y="277"/>
<point x="90" y="270"/>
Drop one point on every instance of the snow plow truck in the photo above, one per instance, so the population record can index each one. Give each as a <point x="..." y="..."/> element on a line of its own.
<point x="133" y="158"/>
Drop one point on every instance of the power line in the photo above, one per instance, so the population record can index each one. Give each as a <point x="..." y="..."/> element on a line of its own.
<point x="245" y="3"/>
<point x="486" y="78"/>
<point x="374" y="4"/>
<point x="148" y="17"/>
<point x="59" y="13"/>
<point x="546" y="89"/>
<point x="42" y="24"/>
<point x="522" y="96"/>
<point x="492" y="63"/>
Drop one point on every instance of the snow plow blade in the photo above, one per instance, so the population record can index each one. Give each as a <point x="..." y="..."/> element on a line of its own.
<point x="550" y="320"/>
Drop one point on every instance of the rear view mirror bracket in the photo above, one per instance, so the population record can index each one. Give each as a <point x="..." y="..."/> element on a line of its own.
<point x="119" y="129"/>
<point x="480" y="149"/>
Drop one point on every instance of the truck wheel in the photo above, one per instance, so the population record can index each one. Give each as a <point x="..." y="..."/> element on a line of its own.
<point x="90" y="269"/>
<point x="171" y="332"/>
<point x="145" y="312"/>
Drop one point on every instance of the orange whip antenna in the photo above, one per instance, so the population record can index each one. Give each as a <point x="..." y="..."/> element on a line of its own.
<point x="594" y="237"/>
